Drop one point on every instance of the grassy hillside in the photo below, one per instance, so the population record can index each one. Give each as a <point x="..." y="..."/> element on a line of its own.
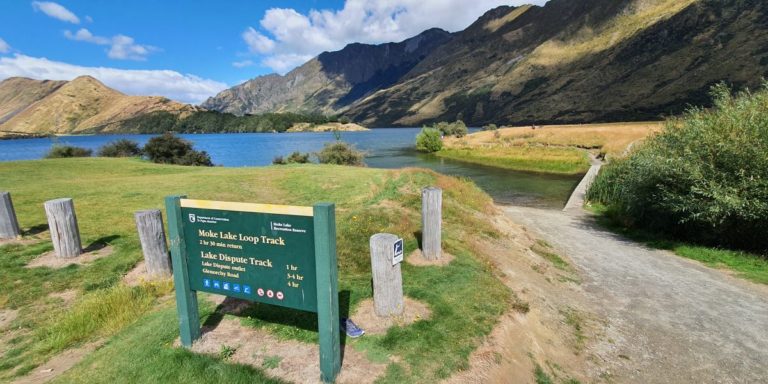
<point x="579" y="61"/>
<point x="18" y="93"/>
<point x="552" y="149"/>
<point x="139" y="324"/>
<point x="77" y="106"/>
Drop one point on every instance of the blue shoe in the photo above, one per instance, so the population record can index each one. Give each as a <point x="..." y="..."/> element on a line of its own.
<point x="350" y="328"/>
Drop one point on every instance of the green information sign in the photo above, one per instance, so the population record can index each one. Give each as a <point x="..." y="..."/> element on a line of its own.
<point x="251" y="253"/>
<point x="279" y="255"/>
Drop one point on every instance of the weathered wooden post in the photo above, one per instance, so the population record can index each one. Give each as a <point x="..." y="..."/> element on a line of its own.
<point x="431" y="222"/>
<point x="149" y="224"/>
<point x="9" y="225"/>
<point x="387" y="278"/>
<point x="62" y="224"/>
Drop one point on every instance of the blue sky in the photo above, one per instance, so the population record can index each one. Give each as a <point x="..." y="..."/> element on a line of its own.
<point x="189" y="50"/>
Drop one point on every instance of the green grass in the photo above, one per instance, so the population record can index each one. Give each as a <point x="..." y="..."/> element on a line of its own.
<point x="465" y="299"/>
<point x="543" y="249"/>
<point x="143" y="353"/>
<point x="575" y="320"/>
<point x="746" y="265"/>
<point x="540" y="376"/>
<point x="557" y="160"/>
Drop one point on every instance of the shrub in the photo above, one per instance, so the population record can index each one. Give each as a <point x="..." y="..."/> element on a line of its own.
<point x="60" y="151"/>
<point x="171" y="149"/>
<point x="340" y="153"/>
<point x="293" y="158"/>
<point x="704" y="178"/>
<point x="120" y="148"/>
<point x="429" y="140"/>
<point x="490" y="127"/>
<point x="457" y="128"/>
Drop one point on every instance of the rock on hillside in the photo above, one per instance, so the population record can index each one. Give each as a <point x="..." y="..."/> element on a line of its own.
<point x="330" y="82"/>
<point x="79" y="106"/>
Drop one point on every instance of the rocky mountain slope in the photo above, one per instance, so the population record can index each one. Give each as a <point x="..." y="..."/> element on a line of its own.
<point x="78" y="106"/>
<point x="331" y="81"/>
<point x="567" y="62"/>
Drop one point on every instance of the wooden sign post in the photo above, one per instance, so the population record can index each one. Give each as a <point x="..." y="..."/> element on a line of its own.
<point x="279" y="255"/>
<point x="431" y="223"/>
<point x="9" y="224"/>
<point x="387" y="277"/>
<point x="149" y="224"/>
<point x="62" y="223"/>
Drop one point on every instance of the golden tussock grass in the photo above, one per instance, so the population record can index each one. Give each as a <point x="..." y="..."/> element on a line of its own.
<point x="608" y="139"/>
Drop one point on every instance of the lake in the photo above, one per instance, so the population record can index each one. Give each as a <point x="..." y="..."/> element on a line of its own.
<point x="384" y="147"/>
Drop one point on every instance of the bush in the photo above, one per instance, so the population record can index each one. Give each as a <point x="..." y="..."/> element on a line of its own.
<point x="490" y="127"/>
<point x="293" y="158"/>
<point x="340" y="153"/>
<point x="170" y="149"/>
<point x="59" y="151"/>
<point x="429" y="140"/>
<point x="120" y="148"/>
<point x="704" y="178"/>
<point x="457" y="128"/>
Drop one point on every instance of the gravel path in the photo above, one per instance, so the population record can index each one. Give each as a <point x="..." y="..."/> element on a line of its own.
<point x="668" y="319"/>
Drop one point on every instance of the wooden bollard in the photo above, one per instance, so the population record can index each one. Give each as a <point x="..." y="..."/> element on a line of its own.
<point x="387" y="278"/>
<point x="62" y="224"/>
<point x="9" y="225"/>
<point x="431" y="222"/>
<point x="152" y="235"/>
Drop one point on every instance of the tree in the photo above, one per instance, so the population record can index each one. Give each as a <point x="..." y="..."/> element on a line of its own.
<point x="428" y="140"/>
<point x="457" y="128"/>
<point x="294" y="158"/>
<point x="60" y="151"/>
<point x="340" y="153"/>
<point x="170" y="149"/>
<point x="120" y="148"/>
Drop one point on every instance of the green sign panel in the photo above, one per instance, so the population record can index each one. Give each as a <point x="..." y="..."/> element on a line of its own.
<point x="279" y="255"/>
<point x="264" y="257"/>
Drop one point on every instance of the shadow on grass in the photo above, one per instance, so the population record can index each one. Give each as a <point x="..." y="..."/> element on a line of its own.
<point x="418" y="235"/>
<point x="748" y="265"/>
<point x="35" y="230"/>
<point x="100" y="243"/>
<point x="276" y="315"/>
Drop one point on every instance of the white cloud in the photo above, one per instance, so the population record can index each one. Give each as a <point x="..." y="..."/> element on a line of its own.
<point x="257" y="42"/>
<point x="4" y="47"/>
<point x="55" y="10"/>
<point x="289" y="36"/>
<point x="282" y="63"/>
<point x="89" y="19"/>
<point x="174" y="85"/>
<point x="83" y="34"/>
<point x="122" y="47"/>
<point x="242" y="64"/>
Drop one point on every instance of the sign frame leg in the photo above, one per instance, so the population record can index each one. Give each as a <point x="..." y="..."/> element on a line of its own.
<point x="327" y="291"/>
<point x="186" y="298"/>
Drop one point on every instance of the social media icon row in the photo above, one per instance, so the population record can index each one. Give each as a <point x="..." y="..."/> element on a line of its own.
<point x="238" y="288"/>
<point x="227" y="286"/>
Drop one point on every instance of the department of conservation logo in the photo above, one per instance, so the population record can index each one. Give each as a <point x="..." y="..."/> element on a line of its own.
<point x="192" y="217"/>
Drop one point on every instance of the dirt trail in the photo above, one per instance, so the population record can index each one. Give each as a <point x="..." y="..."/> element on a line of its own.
<point x="667" y="319"/>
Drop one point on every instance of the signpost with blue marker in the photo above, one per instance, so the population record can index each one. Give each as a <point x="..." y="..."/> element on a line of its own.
<point x="279" y="255"/>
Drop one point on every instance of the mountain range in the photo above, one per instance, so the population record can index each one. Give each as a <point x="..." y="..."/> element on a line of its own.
<point x="82" y="105"/>
<point x="570" y="61"/>
<point x="566" y="62"/>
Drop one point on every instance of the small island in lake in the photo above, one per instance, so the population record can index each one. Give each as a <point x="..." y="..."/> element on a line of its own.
<point x="327" y="127"/>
